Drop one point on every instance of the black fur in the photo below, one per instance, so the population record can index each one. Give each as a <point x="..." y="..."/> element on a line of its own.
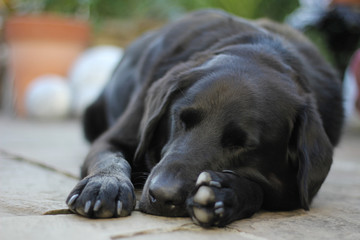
<point x="252" y="104"/>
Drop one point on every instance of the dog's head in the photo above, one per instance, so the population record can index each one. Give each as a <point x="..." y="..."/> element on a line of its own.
<point x="242" y="107"/>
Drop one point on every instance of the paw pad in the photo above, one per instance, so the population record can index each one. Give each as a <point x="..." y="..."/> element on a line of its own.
<point x="204" y="177"/>
<point x="207" y="207"/>
<point x="204" y="195"/>
<point x="202" y="215"/>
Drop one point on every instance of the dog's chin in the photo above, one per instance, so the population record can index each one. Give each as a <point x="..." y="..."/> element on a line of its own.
<point x="166" y="210"/>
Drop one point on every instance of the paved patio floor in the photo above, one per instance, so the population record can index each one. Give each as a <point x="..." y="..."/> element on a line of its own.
<point x="39" y="165"/>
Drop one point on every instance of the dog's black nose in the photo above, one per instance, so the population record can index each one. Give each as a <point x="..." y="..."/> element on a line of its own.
<point x="167" y="192"/>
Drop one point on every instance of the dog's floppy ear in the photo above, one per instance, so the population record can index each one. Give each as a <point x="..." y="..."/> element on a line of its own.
<point x="158" y="100"/>
<point x="310" y="151"/>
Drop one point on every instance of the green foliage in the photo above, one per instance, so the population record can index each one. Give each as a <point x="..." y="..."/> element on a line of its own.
<point x="159" y="9"/>
<point x="64" y="6"/>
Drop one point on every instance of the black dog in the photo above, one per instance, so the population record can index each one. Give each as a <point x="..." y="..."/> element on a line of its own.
<point x="227" y="116"/>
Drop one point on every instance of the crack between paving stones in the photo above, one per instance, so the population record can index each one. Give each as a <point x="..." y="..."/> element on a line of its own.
<point x="67" y="211"/>
<point x="32" y="162"/>
<point x="185" y="227"/>
<point x="58" y="212"/>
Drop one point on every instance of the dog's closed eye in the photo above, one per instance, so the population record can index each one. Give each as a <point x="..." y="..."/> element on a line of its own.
<point x="233" y="137"/>
<point x="190" y="118"/>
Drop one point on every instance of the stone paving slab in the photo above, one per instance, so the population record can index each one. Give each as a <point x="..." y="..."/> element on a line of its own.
<point x="59" y="145"/>
<point x="51" y="153"/>
<point x="26" y="189"/>
<point x="138" y="226"/>
<point x="76" y="227"/>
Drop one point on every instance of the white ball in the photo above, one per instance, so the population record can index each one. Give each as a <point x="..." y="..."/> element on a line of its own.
<point x="48" y="97"/>
<point x="90" y="73"/>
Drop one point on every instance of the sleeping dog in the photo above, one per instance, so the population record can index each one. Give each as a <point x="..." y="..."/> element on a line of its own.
<point x="222" y="116"/>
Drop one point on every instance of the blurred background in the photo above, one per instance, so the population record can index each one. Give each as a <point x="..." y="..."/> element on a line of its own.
<point x="55" y="55"/>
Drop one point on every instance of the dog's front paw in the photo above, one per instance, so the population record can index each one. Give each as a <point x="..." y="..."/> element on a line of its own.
<point x="102" y="196"/>
<point x="213" y="202"/>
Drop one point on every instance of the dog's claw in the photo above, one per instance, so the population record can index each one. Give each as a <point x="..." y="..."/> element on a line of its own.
<point x="72" y="199"/>
<point x="87" y="206"/>
<point x="219" y="208"/>
<point x="219" y="204"/>
<point x="219" y="211"/>
<point x="119" y="207"/>
<point x="215" y="184"/>
<point x="97" y="205"/>
<point x="204" y="177"/>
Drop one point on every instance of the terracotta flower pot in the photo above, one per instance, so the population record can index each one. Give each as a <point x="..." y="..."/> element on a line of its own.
<point x="41" y="45"/>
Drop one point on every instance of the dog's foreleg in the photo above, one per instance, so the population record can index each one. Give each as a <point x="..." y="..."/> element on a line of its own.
<point x="106" y="189"/>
